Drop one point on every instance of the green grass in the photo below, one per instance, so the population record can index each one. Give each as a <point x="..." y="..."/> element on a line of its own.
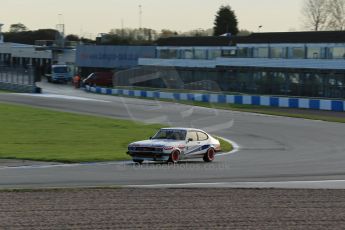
<point x="44" y="135"/>
<point x="286" y="112"/>
<point x="5" y="91"/>
<point x="226" y="146"/>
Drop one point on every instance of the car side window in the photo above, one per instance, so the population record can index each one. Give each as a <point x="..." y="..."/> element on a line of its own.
<point x="192" y="135"/>
<point x="202" y="136"/>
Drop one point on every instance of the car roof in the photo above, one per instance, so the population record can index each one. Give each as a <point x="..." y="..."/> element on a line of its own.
<point x="185" y="129"/>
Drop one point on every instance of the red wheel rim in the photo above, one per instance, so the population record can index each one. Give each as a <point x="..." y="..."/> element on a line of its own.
<point x="210" y="154"/>
<point x="174" y="156"/>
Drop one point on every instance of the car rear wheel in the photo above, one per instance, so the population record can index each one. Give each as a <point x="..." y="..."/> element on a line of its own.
<point x="209" y="155"/>
<point x="174" y="157"/>
<point x="138" y="161"/>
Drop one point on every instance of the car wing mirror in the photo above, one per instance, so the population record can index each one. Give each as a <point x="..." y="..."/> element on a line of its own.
<point x="190" y="139"/>
<point x="150" y="138"/>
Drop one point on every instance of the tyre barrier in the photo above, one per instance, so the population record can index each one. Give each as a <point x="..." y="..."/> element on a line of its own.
<point x="273" y="101"/>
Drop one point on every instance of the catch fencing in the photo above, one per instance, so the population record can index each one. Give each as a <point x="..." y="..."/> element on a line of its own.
<point x="18" y="79"/>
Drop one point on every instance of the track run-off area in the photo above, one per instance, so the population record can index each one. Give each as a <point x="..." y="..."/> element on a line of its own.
<point x="271" y="151"/>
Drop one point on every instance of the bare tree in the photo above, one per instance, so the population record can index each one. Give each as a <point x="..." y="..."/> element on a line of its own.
<point x="315" y="13"/>
<point x="337" y="15"/>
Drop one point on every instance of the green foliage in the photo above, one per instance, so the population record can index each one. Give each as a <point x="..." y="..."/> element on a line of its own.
<point x="226" y="146"/>
<point x="38" y="134"/>
<point x="72" y="37"/>
<point x="29" y="37"/>
<point x="225" y="21"/>
<point x="18" y="27"/>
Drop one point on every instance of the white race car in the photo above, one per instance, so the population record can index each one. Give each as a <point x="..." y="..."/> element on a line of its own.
<point x="174" y="144"/>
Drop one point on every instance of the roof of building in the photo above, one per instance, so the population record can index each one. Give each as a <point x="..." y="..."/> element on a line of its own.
<point x="293" y="37"/>
<point x="257" y="38"/>
<point x="195" y="41"/>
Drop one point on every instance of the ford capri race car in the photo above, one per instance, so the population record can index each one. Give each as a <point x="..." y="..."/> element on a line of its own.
<point x="174" y="144"/>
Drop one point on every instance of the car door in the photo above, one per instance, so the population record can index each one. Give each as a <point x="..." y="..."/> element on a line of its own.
<point x="203" y="141"/>
<point x="193" y="145"/>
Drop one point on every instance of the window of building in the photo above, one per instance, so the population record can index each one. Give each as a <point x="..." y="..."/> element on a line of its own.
<point x="168" y="54"/>
<point x="261" y="52"/>
<point x="277" y="52"/>
<point x="200" y="54"/>
<point x="214" y="53"/>
<point x="244" y="52"/>
<point x="229" y="53"/>
<point x="314" y="53"/>
<point x="188" y="54"/>
<point x="338" y="52"/>
<point x="297" y="53"/>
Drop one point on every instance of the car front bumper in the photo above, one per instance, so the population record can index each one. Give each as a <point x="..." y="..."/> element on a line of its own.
<point x="150" y="156"/>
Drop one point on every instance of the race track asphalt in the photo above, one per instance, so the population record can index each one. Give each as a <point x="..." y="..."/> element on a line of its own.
<point x="274" y="151"/>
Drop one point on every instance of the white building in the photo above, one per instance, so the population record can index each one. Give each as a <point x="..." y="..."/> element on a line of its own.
<point x="291" y="63"/>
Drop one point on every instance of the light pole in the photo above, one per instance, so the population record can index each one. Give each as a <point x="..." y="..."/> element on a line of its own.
<point x="140" y="16"/>
<point x="1" y="37"/>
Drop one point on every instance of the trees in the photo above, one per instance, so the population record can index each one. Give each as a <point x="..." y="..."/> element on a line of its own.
<point x="337" y="15"/>
<point x="18" y="27"/>
<point x="72" y="38"/>
<point x="29" y="37"/>
<point x="315" y="13"/>
<point x="324" y="14"/>
<point x="225" y="21"/>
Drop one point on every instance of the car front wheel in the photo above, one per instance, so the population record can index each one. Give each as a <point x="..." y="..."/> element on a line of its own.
<point x="174" y="157"/>
<point x="209" y="155"/>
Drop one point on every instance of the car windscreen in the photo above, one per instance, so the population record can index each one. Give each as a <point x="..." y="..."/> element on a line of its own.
<point x="60" y="69"/>
<point x="170" y="134"/>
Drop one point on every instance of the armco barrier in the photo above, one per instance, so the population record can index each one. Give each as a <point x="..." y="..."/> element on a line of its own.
<point x="284" y="102"/>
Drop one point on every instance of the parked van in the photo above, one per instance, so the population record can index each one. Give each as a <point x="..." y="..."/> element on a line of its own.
<point x="99" y="79"/>
<point x="60" y="73"/>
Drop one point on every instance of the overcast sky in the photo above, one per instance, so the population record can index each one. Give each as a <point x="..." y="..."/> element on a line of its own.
<point x="88" y="17"/>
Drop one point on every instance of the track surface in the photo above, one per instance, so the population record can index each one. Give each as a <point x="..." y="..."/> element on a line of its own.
<point x="173" y="209"/>
<point x="273" y="149"/>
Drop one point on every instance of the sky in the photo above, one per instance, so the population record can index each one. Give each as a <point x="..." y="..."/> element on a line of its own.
<point x="88" y="18"/>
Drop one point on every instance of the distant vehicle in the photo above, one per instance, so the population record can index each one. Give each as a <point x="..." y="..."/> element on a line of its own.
<point x="60" y="73"/>
<point x="174" y="144"/>
<point x="99" y="79"/>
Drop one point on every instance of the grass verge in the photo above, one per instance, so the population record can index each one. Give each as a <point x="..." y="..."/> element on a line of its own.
<point x="226" y="146"/>
<point x="5" y="91"/>
<point x="44" y="135"/>
<point x="268" y="110"/>
<point x="286" y="112"/>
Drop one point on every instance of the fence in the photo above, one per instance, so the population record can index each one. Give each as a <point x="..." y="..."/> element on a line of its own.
<point x="274" y="101"/>
<point x="17" y="79"/>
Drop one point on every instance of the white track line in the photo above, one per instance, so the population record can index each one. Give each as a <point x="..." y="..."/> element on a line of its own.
<point x="325" y="184"/>
<point x="65" y="165"/>
<point x="59" y="96"/>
